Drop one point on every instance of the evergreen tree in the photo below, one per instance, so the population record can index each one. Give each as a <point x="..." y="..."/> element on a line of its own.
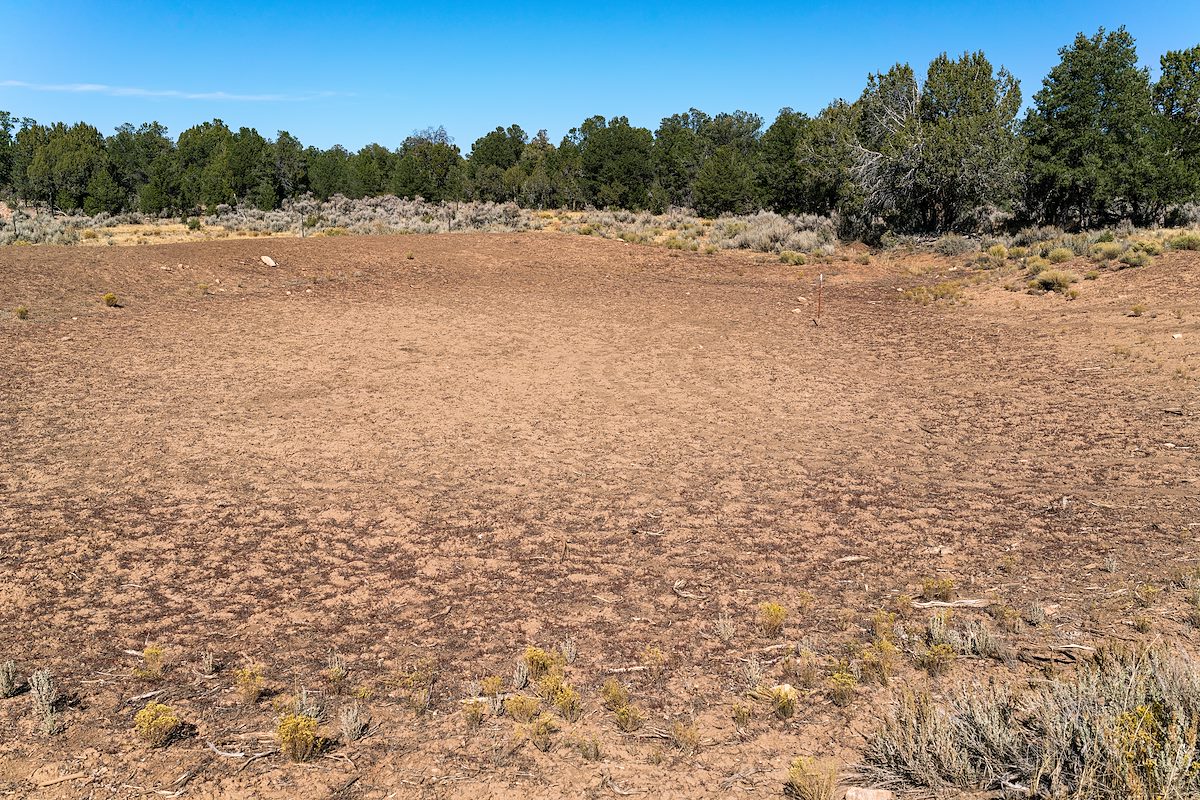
<point x="725" y="183"/>
<point x="1177" y="103"/>
<point x="1090" y="136"/>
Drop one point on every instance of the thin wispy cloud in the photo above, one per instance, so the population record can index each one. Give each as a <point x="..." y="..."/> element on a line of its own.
<point x="174" y="94"/>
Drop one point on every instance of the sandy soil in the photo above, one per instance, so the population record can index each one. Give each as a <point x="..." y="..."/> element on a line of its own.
<point x="514" y="439"/>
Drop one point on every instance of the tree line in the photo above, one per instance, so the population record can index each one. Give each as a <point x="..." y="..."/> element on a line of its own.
<point x="945" y="151"/>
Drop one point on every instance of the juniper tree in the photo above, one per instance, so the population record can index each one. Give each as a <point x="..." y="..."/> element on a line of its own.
<point x="1089" y="135"/>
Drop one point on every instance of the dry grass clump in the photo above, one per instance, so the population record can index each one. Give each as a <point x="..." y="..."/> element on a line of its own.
<point x="628" y="718"/>
<point x="297" y="734"/>
<point x="1053" y="280"/>
<point x="614" y="694"/>
<point x="938" y="589"/>
<point x="1124" y="725"/>
<point x="21" y="312"/>
<point x="878" y="661"/>
<point x="157" y="724"/>
<point x="771" y="617"/>
<point x="250" y="683"/>
<point x="1185" y="241"/>
<point x="538" y="662"/>
<point x="685" y="736"/>
<point x="1106" y="251"/>
<point x="474" y="712"/>
<point x="783" y="699"/>
<point x="924" y="295"/>
<point x="1134" y="258"/>
<point x="541" y="732"/>
<point x="416" y="684"/>
<point x="522" y="707"/>
<point x="792" y="258"/>
<point x="808" y="779"/>
<point x="1058" y="255"/>
<point x="842" y="688"/>
<point x="151" y="668"/>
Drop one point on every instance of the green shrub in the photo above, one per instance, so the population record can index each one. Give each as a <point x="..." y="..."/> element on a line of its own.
<point x="1186" y="241"/>
<point x="793" y="258"/>
<point x="1150" y="247"/>
<point x="21" y="312"/>
<point x="1106" y="251"/>
<point x="998" y="251"/>
<point x="1060" y="254"/>
<point x="110" y="300"/>
<point x="1036" y="264"/>
<point x="1134" y="258"/>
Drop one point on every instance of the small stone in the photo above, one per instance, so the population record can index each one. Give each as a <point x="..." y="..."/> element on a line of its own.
<point x="858" y="793"/>
<point x="270" y="262"/>
<point x="1176" y="335"/>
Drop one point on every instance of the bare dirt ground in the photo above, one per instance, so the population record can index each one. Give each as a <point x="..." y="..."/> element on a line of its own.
<point x="514" y="439"/>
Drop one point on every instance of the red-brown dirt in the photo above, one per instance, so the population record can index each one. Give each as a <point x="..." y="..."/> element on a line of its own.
<point x="509" y="440"/>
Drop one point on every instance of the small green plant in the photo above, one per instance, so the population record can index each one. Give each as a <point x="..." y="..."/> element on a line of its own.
<point x="1138" y="309"/>
<point x="1091" y="275"/>
<point x="998" y="251"/>
<point x="842" y="688"/>
<point x="793" y="258"/>
<point x="157" y="724"/>
<point x="771" y="617"/>
<point x="810" y="780"/>
<point x="297" y="734"/>
<point x="21" y="312"/>
<point x="409" y="256"/>
<point x="864" y="259"/>
<point x="193" y="223"/>
<point x="1150" y="247"/>
<point x="110" y="300"/>
<point x="522" y="707"/>
<point x="654" y="660"/>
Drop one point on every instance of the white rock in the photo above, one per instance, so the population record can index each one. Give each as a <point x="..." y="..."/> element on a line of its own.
<point x="857" y="793"/>
<point x="270" y="262"/>
<point x="1176" y="335"/>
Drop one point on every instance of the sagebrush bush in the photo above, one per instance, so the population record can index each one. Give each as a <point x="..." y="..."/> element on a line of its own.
<point x="1122" y="726"/>
<point x="9" y="683"/>
<point x="954" y="245"/>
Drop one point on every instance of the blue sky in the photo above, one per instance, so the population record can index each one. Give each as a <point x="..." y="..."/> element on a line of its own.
<point x="367" y="72"/>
